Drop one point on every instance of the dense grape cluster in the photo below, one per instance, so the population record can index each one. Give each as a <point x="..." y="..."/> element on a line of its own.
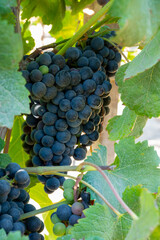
<point x="14" y="202"/>
<point x="67" y="215"/>
<point x="69" y="99"/>
<point x="107" y="54"/>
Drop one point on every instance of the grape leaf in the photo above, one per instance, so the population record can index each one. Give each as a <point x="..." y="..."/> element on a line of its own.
<point x="141" y="93"/>
<point x="4" y="160"/>
<point x="98" y="223"/>
<point x="77" y="6"/>
<point x="131" y="197"/>
<point x="128" y="124"/>
<point x="5" y="10"/>
<point x="148" y="219"/>
<point x="27" y="39"/>
<point x="2" y="144"/>
<point x="12" y="235"/>
<point x="16" y="150"/>
<point x="71" y="24"/>
<point x="11" y="82"/>
<point x="51" y="11"/>
<point x="37" y="194"/>
<point x="139" y="20"/>
<point x="11" y="50"/>
<point x="146" y="59"/>
<point x="14" y="96"/>
<point x="137" y="165"/>
<point x="155" y="234"/>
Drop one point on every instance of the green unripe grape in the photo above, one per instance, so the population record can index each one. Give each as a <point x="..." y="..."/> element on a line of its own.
<point x="44" y="69"/>
<point x="55" y="219"/>
<point x="68" y="194"/>
<point x="59" y="229"/>
<point x="68" y="183"/>
<point x="69" y="229"/>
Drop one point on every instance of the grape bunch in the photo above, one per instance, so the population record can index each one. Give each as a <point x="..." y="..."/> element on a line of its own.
<point x="69" y="99"/>
<point x="67" y="215"/>
<point x="108" y="54"/>
<point x="14" y="202"/>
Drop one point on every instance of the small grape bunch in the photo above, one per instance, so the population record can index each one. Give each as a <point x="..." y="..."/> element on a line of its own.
<point x="14" y="203"/>
<point x="67" y="215"/>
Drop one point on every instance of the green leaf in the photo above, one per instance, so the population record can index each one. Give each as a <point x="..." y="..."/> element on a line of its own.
<point x="4" y="160"/>
<point x="27" y="39"/>
<point x="98" y="223"/>
<point x="141" y="93"/>
<point x="14" y="96"/>
<point x="155" y="234"/>
<point x="2" y="144"/>
<point x="71" y="24"/>
<point x="122" y="227"/>
<point x="148" y="220"/>
<point x="16" y="151"/>
<point x="146" y="59"/>
<point x="5" y="10"/>
<point x="11" y="50"/>
<point x="37" y="194"/>
<point x="128" y="124"/>
<point x="131" y="197"/>
<point x="77" y="6"/>
<point x="137" y="165"/>
<point x="12" y="235"/>
<point x="3" y="235"/>
<point x="139" y="20"/>
<point x="51" y="11"/>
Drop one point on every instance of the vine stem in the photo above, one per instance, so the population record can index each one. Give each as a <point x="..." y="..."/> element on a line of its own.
<point x="8" y="136"/>
<point x="41" y="210"/>
<point x="119" y="50"/>
<point x="49" y="170"/>
<point x="85" y="28"/>
<point x="124" y="205"/>
<point x="79" y="178"/>
<point x="92" y="188"/>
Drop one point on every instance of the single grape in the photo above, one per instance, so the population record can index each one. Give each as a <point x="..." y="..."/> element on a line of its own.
<point x="54" y="218"/>
<point x="32" y="65"/>
<point x="72" y="53"/>
<point x="52" y="184"/>
<point x="59" y="60"/>
<point x="64" y="212"/>
<point x="44" y="59"/>
<point x="39" y="89"/>
<point x="59" y="229"/>
<point x="63" y="78"/>
<point x="79" y="154"/>
<point x="58" y="148"/>
<point x="75" y="78"/>
<point x="73" y="219"/>
<point x="48" y="79"/>
<point x="44" y="69"/>
<point x="78" y="103"/>
<point x="68" y="194"/>
<point x="45" y="153"/>
<point x="89" y="53"/>
<point x="68" y="183"/>
<point x="49" y="118"/>
<point x="77" y="208"/>
<point x="33" y="224"/>
<point x="54" y="69"/>
<point x="86" y="73"/>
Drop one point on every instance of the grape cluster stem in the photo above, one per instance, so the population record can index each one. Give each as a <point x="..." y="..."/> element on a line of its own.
<point x="120" y="200"/>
